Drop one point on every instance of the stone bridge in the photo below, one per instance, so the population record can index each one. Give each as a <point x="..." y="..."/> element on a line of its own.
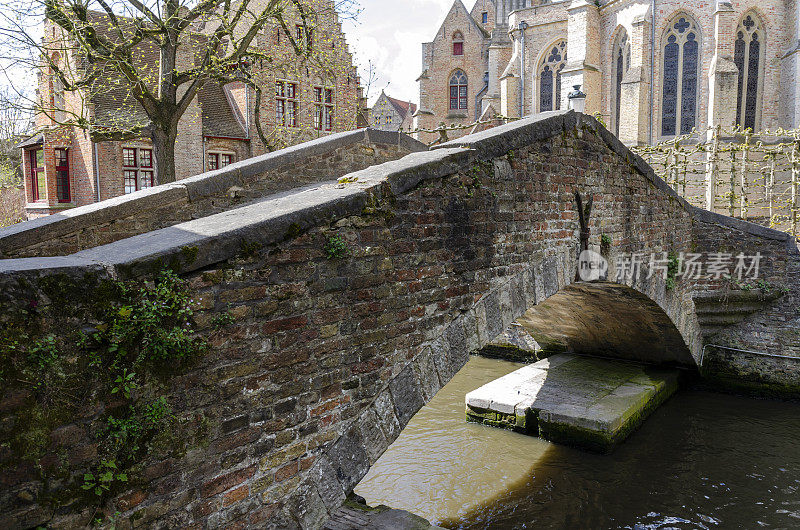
<point x="331" y="350"/>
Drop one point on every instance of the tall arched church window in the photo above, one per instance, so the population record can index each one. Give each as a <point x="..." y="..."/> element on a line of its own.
<point x="621" y="62"/>
<point x="748" y="54"/>
<point x="550" y="77"/>
<point x="681" y="65"/>
<point x="458" y="91"/>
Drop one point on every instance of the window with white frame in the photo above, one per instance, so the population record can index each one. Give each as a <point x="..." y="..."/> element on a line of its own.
<point x="286" y="105"/>
<point x="323" y="108"/>
<point x="137" y="168"/>
<point x="219" y="160"/>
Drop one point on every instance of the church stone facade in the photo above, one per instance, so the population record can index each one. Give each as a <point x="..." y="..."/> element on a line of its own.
<point x="652" y="69"/>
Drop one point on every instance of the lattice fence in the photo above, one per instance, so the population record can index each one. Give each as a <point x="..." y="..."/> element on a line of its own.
<point x="736" y="172"/>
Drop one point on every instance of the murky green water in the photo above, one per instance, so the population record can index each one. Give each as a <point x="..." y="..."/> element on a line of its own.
<point x="703" y="460"/>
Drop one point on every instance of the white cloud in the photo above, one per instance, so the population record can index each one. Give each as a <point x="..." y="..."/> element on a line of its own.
<point x="390" y="34"/>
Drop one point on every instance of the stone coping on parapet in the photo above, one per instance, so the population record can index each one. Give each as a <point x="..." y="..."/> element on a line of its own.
<point x="517" y="134"/>
<point x="190" y="189"/>
<point x="202" y="242"/>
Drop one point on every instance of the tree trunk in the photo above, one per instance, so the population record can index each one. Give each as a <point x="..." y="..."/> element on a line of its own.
<point x="164" y="153"/>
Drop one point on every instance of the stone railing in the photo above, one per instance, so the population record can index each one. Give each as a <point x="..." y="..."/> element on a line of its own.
<point x="144" y="211"/>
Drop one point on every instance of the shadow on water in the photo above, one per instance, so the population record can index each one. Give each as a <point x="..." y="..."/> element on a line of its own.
<point x="703" y="460"/>
<point x="441" y="466"/>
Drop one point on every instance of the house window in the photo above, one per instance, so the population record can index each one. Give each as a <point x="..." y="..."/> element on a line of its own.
<point x="388" y="120"/>
<point x="485" y="17"/>
<point x="621" y="63"/>
<point x="137" y="168"/>
<point x="219" y="160"/>
<point x="63" y="192"/>
<point x="323" y="109"/>
<point x="377" y="120"/>
<point x="748" y="56"/>
<point x="458" y="43"/>
<point x="458" y="91"/>
<point x="681" y="65"/>
<point x="286" y="106"/>
<point x="550" y="77"/>
<point x="38" y="182"/>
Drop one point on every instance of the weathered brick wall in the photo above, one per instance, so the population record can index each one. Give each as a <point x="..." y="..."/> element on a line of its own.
<point x="326" y="360"/>
<point x="171" y="204"/>
<point x="766" y="342"/>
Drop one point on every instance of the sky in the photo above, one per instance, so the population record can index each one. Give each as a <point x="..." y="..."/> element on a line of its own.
<point x="390" y="33"/>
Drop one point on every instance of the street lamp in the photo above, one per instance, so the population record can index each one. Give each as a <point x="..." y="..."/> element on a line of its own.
<point x="577" y="99"/>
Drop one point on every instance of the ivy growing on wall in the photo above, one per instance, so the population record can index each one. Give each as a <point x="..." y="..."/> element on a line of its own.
<point x="111" y="350"/>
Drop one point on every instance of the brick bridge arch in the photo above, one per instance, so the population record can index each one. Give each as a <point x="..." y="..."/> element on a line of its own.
<point x="333" y="351"/>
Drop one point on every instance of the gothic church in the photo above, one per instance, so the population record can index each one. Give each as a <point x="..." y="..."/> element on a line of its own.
<point x="652" y="69"/>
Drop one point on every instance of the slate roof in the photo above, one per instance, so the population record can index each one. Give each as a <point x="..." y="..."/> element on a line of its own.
<point x="218" y="113"/>
<point x="36" y="139"/>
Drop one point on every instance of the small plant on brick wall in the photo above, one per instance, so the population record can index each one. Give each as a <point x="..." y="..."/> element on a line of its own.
<point x="673" y="265"/>
<point x="120" y="351"/>
<point x="223" y="319"/>
<point x="336" y="248"/>
<point x="476" y="174"/>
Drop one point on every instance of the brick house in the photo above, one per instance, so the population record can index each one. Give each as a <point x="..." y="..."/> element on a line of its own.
<point x="390" y="114"/>
<point x="720" y="62"/>
<point x="68" y="166"/>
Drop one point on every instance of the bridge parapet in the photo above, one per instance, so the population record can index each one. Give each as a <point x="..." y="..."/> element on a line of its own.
<point x="321" y="160"/>
<point x="334" y="312"/>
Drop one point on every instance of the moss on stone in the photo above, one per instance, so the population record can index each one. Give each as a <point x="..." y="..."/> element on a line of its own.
<point x="293" y="231"/>
<point x="189" y="254"/>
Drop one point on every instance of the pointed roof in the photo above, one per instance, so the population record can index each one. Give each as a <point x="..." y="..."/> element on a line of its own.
<point x="458" y="5"/>
<point x="403" y="107"/>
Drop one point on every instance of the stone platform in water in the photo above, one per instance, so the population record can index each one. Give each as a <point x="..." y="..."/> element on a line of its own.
<point x="584" y="401"/>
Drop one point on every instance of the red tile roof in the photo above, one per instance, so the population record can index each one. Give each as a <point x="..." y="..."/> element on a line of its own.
<point x="402" y="107"/>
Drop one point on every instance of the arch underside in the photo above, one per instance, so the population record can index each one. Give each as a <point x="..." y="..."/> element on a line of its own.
<point x="606" y="319"/>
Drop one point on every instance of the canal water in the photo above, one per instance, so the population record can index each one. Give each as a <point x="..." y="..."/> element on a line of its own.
<point x="703" y="460"/>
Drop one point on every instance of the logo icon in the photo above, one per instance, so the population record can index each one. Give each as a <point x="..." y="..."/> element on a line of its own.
<point x="592" y="266"/>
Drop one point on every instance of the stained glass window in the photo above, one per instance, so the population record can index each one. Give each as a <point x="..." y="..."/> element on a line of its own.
<point x="681" y="75"/>
<point x="550" y="77"/>
<point x="748" y="49"/>
<point x="458" y="91"/>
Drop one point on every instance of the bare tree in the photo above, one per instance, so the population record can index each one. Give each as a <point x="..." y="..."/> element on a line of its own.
<point x="153" y="56"/>
<point x="14" y="124"/>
